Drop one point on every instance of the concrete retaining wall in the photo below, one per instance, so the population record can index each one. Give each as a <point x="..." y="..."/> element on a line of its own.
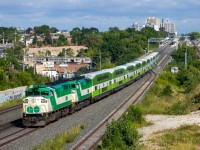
<point x="12" y="94"/>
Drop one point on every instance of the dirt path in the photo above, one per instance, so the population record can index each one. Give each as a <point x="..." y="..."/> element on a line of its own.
<point x="164" y="122"/>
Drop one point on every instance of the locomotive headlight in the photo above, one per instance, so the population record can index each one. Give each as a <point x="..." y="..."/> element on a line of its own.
<point x="26" y="101"/>
<point x="43" y="101"/>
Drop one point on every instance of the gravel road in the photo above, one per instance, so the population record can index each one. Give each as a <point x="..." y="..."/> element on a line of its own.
<point x="164" y="122"/>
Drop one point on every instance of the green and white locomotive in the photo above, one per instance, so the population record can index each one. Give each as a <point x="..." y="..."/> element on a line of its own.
<point x="46" y="103"/>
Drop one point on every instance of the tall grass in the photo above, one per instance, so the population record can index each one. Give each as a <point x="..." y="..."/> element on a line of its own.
<point x="183" y="138"/>
<point x="61" y="139"/>
<point x="11" y="103"/>
<point x="166" y="97"/>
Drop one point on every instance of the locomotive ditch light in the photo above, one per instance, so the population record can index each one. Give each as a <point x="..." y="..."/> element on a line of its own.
<point x="26" y="101"/>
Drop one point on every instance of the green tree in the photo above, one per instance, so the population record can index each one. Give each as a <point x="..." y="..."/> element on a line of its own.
<point x="82" y="70"/>
<point x="48" y="53"/>
<point x="47" y="39"/>
<point x="44" y="29"/>
<point x="53" y="30"/>
<point x="35" y="39"/>
<point x="4" y="83"/>
<point x="25" y="78"/>
<point x="69" y="52"/>
<point x="120" y="135"/>
<point x="167" y="91"/>
<point x="4" y="64"/>
<point x="92" y="40"/>
<point x="76" y="35"/>
<point x="194" y="35"/>
<point x="61" y="40"/>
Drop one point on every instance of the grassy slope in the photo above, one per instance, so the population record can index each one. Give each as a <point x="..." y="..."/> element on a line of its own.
<point x="157" y="103"/>
<point x="10" y="103"/>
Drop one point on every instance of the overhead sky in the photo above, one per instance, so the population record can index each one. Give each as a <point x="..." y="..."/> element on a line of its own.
<point x="101" y="14"/>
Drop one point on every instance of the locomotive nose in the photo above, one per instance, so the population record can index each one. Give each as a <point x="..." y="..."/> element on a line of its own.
<point x="33" y="109"/>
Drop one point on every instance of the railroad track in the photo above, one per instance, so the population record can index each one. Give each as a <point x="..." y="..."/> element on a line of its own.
<point x="94" y="137"/>
<point x="16" y="135"/>
<point x="6" y="126"/>
<point x="162" y="63"/>
<point x="3" y="111"/>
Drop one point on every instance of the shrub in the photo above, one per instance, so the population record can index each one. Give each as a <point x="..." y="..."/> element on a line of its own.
<point x="134" y="114"/>
<point x="120" y="135"/>
<point x="167" y="91"/>
<point x="196" y="99"/>
<point x="178" y="108"/>
<point x="112" y="137"/>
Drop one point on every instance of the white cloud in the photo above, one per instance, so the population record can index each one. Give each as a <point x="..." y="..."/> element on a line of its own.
<point x="99" y="13"/>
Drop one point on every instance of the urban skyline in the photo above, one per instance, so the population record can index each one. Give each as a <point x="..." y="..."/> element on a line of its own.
<point x="68" y="14"/>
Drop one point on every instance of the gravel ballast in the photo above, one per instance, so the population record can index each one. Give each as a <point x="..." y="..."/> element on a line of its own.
<point x="90" y="116"/>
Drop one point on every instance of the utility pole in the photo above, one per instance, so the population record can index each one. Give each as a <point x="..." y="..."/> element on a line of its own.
<point x="100" y="59"/>
<point x="24" y="61"/>
<point x="3" y="37"/>
<point x="34" y="65"/>
<point x="65" y="73"/>
<point x="15" y="36"/>
<point x="186" y="57"/>
<point x="24" y="36"/>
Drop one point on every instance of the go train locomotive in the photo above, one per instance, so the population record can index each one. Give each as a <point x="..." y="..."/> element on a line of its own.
<point x="46" y="103"/>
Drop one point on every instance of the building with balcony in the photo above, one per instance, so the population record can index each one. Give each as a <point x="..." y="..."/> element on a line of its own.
<point x="170" y="27"/>
<point x="153" y="22"/>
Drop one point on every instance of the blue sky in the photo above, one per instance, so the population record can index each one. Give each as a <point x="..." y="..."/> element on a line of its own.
<point x="102" y="14"/>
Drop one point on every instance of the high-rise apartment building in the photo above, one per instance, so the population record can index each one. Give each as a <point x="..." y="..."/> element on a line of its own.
<point x="136" y="26"/>
<point x="153" y="21"/>
<point x="169" y="27"/>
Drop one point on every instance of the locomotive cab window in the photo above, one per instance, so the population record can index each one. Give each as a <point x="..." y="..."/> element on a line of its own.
<point x="51" y="94"/>
<point x="36" y="93"/>
<point x="46" y="93"/>
<point x="29" y="93"/>
<point x="73" y="86"/>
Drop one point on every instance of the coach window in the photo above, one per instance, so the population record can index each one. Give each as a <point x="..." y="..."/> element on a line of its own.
<point x="95" y="88"/>
<point x="110" y="82"/>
